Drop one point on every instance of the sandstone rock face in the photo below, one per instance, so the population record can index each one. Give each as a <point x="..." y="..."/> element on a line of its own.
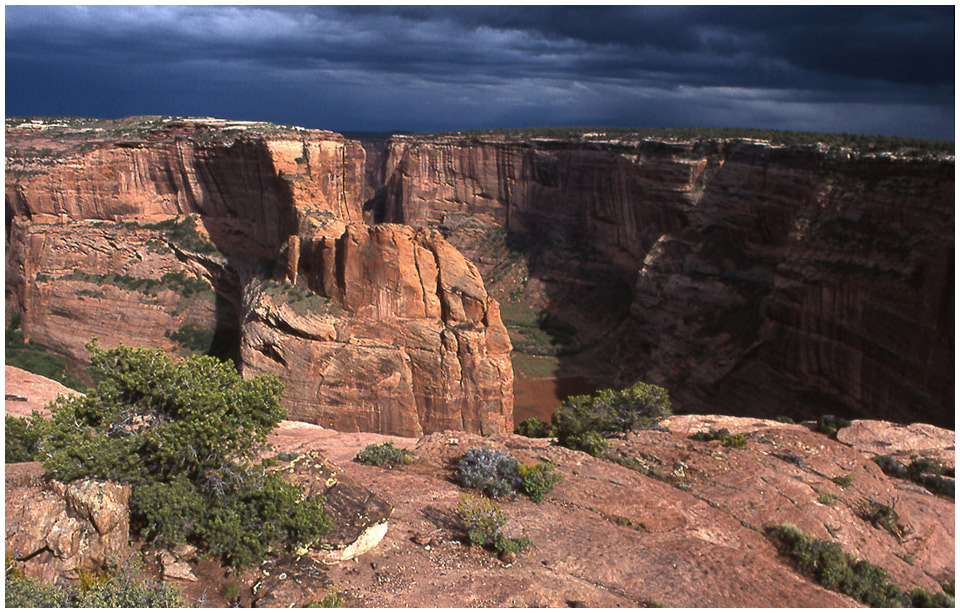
<point x="243" y="178"/>
<point x="27" y="392"/>
<point x="359" y="516"/>
<point x="791" y="279"/>
<point x="54" y="528"/>
<point x="122" y="282"/>
<point x="688" y="514"/>
<point x="245" y="240"/>
<point x="409" y="341"/>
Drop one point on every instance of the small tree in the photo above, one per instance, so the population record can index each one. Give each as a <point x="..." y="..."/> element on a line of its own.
<point x="186" y="435"/>
<point x="583" y="419"/>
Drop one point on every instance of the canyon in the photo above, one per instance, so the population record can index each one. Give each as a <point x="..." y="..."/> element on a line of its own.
<point x="747" y="278"/>
<point x="388" y="282"/>
<point x="247" y="241"/>
<point x="432" y="290"/>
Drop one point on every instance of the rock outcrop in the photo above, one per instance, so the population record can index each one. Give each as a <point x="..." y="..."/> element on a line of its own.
<point x="246" y="241"/>
<point x="743" y="276"/>
<point x="407" y="342"/>
<point x="360" y="517"/>
<point x="683" y="514"/>
<point x="671" y="516"/>
<point x="121" y="281"/>
<point x="53" y="529"/>
<point x="27" y="392"/>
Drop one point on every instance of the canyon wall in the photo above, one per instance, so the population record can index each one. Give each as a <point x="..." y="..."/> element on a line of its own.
<point x="246" y="241"/>
<point x="744" y="277"/>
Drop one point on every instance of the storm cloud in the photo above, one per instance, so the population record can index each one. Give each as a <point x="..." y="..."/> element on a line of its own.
<point x="883" y="70"/>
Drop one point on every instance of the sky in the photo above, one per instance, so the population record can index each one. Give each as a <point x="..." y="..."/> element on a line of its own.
<point x="869" y="70"/>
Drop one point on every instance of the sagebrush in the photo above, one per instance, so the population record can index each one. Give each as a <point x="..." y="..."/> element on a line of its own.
<point x="494" y="472"/>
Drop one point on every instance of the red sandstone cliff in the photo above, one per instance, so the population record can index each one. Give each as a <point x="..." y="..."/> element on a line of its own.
<point x="744" y="277"/>
<point x="407" y="342"/>
<point x="246" y="240"/>
<point x="248" y="181"/>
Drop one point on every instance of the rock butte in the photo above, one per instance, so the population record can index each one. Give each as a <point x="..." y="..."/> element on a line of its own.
<point x="375" y="328"/>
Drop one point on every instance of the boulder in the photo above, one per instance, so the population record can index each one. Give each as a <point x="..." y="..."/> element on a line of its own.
<point x="53" y="528"/>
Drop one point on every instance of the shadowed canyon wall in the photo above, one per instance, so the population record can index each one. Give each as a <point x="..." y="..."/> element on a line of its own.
<point x="746" y="278"/>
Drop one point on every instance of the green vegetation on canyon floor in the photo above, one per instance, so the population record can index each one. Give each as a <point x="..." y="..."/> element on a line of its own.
<point x="30" y="357"/>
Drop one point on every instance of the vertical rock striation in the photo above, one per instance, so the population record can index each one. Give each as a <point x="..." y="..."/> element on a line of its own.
<point x="763" y="279"/>
<point x="406" y="340"/>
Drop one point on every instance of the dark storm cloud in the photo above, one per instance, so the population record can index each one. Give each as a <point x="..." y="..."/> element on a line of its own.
<point x="423" y="67"/>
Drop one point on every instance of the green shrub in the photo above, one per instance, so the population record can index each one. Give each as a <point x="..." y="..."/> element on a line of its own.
<point x="583" y="421"/>
<point x="883" y="516"/>
<point x="22" y="438"/>
<point x="331" y="601"/>
<point x="301" y="300"/>
<point x="385" y="455"/>
<point x="126" y="585"/>
<point x="192" y="338"/>
<point x="928" y="472"/>
<point x="184" y="233"/>
<point x="493" y="472"/>
<point x="841" y="572"/>
<point x="538" y="480"/>
<point x="922" y="465"/>
<point x="186" y="435"/>
<point x="230" y="591"/>
<point x="505" y="544"/>
<point x="831" y="424"/>
<point x="533" y="428"/>
<point x="737" y="441"/>
<point x="827" y="499"/>
<point x="90" y="293"/>
<point x="843" y="480"/>
<point x="591" y="442"/>
<point x="482" y="518"/>
<point x="265" y="512"/>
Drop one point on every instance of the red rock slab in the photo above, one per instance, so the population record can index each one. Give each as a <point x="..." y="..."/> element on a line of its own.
<point x="25" y="392"/>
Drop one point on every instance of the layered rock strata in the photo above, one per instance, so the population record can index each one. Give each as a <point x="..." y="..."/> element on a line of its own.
<point x="743" y="276"/>
<point x="246" y="241"/>
<point x="122" y="282"/>
<point x="248" y="181"/>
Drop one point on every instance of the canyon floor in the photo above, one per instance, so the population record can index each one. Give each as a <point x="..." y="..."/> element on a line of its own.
<point x="685" y="526"/>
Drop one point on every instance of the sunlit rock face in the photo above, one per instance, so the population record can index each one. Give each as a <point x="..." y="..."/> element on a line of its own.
<point x="246" y="240"/>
